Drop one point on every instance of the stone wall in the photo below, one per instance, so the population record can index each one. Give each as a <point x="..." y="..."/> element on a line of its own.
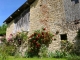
<point x="55" y="15"/>
<point x="72" y="13"/>
<point x="48" y="14"/>
<point x="72" y="10"/>
<point x="10" y="29"/>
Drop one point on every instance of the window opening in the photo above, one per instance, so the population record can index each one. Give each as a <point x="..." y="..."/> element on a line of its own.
<point x="63" y="36"/>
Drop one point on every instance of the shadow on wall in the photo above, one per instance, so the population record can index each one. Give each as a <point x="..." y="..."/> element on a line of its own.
<point x="77" y="43"/>
<point x="77" y="38"/>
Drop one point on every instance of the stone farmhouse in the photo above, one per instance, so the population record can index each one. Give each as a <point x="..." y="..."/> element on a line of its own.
<point x="61" y="17"/>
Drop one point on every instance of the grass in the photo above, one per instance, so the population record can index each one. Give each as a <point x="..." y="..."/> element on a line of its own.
<point x="13" y="58"/>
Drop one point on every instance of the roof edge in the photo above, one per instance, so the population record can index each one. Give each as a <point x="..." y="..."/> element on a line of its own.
<point x="18" y="11"/>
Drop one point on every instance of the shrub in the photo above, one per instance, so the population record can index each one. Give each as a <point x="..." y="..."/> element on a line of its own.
<point x="59" y="54"/>
<point x="22" y="36"/>
<point x="43" y="51"/>
<point x="3" y="53"/>
<point x="18" y="39"/>
<point x="66" y="46"/>
<point x="73" y="57"/>
<point x="36" y="40"/>
<point x="26" y="54"/>
<point x="50" y="54"/>
<point x="11" y="50"/>
<point x="11" y="45"/>
<point x="70" y="48"/>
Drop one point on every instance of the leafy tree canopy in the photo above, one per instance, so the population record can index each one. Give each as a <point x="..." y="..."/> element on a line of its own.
<point x="3" y="29"/>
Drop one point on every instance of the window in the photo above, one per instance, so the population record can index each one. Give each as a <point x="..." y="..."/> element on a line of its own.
<point x="63" y="36"/>
<point x="76" y="1"/>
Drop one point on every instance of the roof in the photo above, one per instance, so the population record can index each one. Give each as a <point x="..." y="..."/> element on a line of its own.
<point x="18" y="11"/>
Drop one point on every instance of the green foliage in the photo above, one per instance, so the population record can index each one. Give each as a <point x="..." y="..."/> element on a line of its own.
<point x="26" y="54"/>
<point x="66" y="46"/>
<point x="78" y="34"/>
<point x="73" y="57"/>
<point x="58" y="54"/>
<point x="34" y="58"/>
<point x="36" y="40"/>
<point x="14" y="42"/>
<point x="18" y="39"/>
<point x="21" y="37"/>
<point x="3" y="29"/>
<point x="11" y="50"/>
<point x="10" y="46"/>
<point x="7" y="49"/>
<point x="50" y="55"/>
<point x="24" y="36"/>
<point x="3" y="53"/>
<point x="70" y="48"/>
<point x="43" y="51"/>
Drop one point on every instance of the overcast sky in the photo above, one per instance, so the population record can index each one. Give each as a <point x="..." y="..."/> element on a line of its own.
<point x="7" y="7"/>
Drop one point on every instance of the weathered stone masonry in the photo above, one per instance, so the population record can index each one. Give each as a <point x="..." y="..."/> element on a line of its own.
<point x="57" y="16"/>
<point x="47" y="13"/>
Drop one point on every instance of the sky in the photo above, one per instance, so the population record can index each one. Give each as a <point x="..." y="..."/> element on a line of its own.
<point x="7" y="7"/>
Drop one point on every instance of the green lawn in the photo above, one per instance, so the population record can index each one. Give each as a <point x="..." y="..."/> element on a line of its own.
<point x="13" y="58"/>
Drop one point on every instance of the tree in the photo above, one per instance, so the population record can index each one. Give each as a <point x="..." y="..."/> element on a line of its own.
<point x="3" y="29"/>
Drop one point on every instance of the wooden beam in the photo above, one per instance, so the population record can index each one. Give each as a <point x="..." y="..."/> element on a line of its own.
<point x="10" y="16"/>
